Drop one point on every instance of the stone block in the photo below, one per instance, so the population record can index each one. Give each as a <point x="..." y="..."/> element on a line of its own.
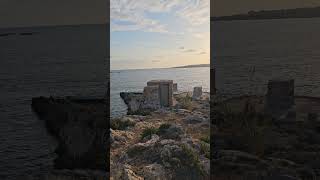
<point x="175" y="87"/>
<point x="197" y="92"/>
<point x="280" y="97"/>
<point x="151" y="97"/>
<point x="165" y="91"/>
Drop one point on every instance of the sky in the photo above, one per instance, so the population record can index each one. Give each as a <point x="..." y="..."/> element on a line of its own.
<point x="144" y="33"/>
<point x="159" y="33"/>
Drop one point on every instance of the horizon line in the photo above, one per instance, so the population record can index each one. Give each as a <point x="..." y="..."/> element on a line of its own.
<point x="182" y="66"/>
<point x="52" y="25"/>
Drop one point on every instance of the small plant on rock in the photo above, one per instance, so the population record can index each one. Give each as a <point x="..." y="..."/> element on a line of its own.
<point x="206" y="139"/>
<point x="148" y="132"/>
<point x="186" y="102"/>
<point x="191" y="158"/>
<point x="118" y="124"/>
<point x="205" y="149"/>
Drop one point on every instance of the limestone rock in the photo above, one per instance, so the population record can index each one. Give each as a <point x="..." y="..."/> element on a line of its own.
<point x="129" y="174"/>
<point x="80" y="127"/>
<point x="195" y="118"/>
<point x="172" y="132"/>
<point x="155" y="172"/>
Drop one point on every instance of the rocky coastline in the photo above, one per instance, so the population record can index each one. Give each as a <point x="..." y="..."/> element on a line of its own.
<point x="272" y="137"/>
<point x="81" y="128"/>
<point x="161" y="143"/>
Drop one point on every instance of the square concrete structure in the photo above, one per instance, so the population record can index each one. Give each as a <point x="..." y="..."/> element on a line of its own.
<point x="175" y="87"/>
<point x="165" y="88"/>
<point x="280" y="97"/>
<point x="197" y="92"/>
<point x="151" y="96"/>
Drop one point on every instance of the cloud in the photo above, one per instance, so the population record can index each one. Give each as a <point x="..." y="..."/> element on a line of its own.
<point x="197" y="12"/>
<point x="189" y="50"/>
<point x="195" y="51"/>
<point x="132" y="15"/>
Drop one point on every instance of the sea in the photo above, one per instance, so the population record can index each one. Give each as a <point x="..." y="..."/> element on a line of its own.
<point x="136" y="80"/>
<point x="53" y="61"/>
<point x="247" y="54"/>
<point x="72" y="60"/>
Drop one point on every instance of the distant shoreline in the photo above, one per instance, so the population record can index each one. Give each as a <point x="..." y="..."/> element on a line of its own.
<point x="187" y="66"/>
<point x="193" y="66"/>
<point x="297" y="13"/>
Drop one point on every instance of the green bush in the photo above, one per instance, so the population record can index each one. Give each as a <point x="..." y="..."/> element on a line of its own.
<point x="163" y="127"/>
<point x="148" y="132"/>
<point x="118" y="124"/>
<point x="205" y="139"/>
<point x="205" y="149"/>
<point x="190" y="158"/>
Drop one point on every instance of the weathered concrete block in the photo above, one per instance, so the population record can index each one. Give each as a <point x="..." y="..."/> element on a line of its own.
<point x="165" y="91"/>
<point x="175" y="87"/>
<point x="197" y="92"/>
<point x="151" y="97"/>
<point x="280" y="97"/>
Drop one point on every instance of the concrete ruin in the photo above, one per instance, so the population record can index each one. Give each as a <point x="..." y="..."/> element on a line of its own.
<point x="175" y="87"/>
<point x="165" y="91"/>
<point x="157" y="94"/>
<point x="197" y="93"/>
<point x="280" y="97"/>
<point x="151" y="96"/>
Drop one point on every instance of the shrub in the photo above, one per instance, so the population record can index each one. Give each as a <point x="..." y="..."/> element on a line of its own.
<point x="118" y="124"/>
<point x="248" y="127"/>
<point x="148" y="132"/>
<point x="190" y="158"/>
<point x="205" y="139"/>
<point x="205" y="149"/>
<point x="186" y="102"/>
<point x="163" y="127"/>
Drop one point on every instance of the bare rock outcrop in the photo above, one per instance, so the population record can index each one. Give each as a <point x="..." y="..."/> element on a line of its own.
<point x="81" y="129"/>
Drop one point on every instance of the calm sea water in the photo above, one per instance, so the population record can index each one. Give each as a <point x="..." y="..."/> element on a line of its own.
<point x="135" y="80"/>
<point x="287" y="48"/>
<point x="57" y="61"/>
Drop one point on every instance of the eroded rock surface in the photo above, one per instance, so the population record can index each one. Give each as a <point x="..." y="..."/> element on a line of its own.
<point x="163" y="145"/>
<point x="251" y="144"/>
<point x="81" y="129"/>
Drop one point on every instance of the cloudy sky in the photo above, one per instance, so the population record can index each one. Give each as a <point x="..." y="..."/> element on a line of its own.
<point x="159" y="33"/>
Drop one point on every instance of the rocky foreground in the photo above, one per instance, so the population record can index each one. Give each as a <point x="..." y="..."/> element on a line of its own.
<point x="169" y="143"/>
<point x="249" y="144"/>
<point x="81" y="129"/>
